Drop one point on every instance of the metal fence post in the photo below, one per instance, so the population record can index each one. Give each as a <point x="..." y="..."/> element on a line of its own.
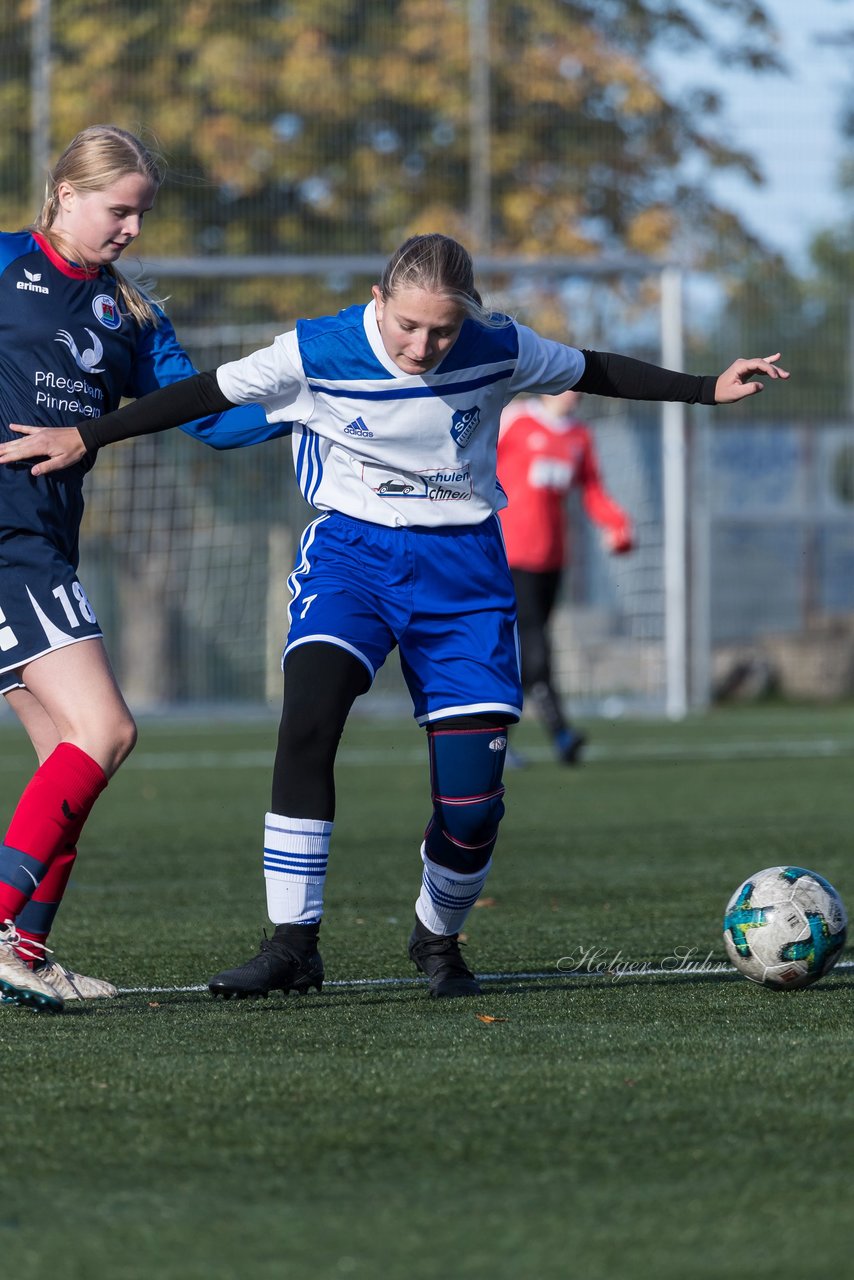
<point x="40" y="69"/>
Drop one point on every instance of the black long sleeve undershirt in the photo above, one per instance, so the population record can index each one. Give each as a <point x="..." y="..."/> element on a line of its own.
<point x="605" y="374"/>
<point x="170" y="406"/>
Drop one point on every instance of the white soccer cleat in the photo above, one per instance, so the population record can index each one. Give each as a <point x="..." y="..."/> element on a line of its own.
<point x="74" y="986"/>
<point x="19" y="984"/>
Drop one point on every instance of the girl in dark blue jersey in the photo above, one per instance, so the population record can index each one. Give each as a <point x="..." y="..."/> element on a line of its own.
<point x="75" y="338"/>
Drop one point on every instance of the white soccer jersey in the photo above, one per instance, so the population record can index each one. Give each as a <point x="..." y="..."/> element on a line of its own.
<point x="394" y="448"/>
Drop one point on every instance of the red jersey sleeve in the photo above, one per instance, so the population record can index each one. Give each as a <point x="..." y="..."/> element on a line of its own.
<point x="598" y="503"/>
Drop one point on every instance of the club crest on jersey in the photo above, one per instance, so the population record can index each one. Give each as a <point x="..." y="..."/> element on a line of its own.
<point x="464" y="424"/>
<point x="106" y="311"/>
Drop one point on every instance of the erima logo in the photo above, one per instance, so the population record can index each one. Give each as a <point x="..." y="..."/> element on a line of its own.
<point x="358" y="428"/>
<point x="86" y="360"/>
<point x="68" y="811"/>
<point x="464" y="424"/>
<point x="31" y="284"/>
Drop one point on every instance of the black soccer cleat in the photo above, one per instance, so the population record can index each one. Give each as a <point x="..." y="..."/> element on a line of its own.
<point x="438" y="956"/>
<point x="279" y="966"/>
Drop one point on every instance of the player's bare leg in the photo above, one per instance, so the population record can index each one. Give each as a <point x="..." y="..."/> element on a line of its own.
<point x="77" y="690"/>
<point x="41" y="730"/>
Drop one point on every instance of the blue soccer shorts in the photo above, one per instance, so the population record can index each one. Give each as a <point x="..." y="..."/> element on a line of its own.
<point x="443" y="596"/>
<point x="42" y="605"/>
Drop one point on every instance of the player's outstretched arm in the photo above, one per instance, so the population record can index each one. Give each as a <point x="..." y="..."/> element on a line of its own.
<point x="740" y="380"/>
<point x="608" y="374"/>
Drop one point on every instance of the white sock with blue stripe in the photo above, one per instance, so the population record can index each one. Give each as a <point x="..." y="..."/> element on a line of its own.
<point x="296" y="851"/>
<point x="447" y="896"/>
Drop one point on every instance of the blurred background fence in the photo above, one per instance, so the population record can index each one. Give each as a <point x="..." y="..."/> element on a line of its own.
<point x="305" y="140"/>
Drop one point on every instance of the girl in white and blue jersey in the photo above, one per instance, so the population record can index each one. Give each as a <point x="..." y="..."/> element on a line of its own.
<point x="396" y="408"/>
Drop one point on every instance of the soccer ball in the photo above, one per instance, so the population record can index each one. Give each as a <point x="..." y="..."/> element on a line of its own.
<point x="784" y="927"/>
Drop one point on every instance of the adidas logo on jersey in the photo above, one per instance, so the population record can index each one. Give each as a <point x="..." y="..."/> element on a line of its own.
<point x="31" y="284"/>
<point x="358" y="428"/>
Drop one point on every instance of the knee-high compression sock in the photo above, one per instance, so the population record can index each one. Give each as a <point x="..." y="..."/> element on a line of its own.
<point x="48" y="819"/>
<point x="296" y="851"/>
<point x="466" y="767"/>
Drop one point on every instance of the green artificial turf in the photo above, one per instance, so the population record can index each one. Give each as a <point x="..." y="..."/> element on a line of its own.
<point x="650" y="1114"/>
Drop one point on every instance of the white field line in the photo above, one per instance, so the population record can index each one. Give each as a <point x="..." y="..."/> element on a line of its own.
<point x="636" y="970"/>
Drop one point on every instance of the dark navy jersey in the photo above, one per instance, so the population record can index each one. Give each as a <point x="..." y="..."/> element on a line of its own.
<point x="67" y="354"/>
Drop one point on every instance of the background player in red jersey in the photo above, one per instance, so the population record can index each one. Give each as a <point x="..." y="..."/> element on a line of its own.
<point x="544" y="452"/>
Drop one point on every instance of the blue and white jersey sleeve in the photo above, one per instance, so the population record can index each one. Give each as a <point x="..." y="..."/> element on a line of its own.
<point x="272" y="377"/>
<point x="161" y="360"/>
<point x="544" y="367"/>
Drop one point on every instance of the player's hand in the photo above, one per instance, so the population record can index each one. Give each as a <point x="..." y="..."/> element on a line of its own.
<point x="55" y="447"/>
<point x="739" y="380"/>
<point x="620" y="541"/>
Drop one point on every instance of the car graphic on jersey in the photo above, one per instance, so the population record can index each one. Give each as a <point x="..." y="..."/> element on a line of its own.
<point x="386" y="483"/>
<point x="447" y="484"/>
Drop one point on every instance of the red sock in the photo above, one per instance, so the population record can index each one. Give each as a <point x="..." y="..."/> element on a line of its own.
<point x="49" y="818"/>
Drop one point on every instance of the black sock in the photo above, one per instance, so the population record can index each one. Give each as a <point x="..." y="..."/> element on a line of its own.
<point x="301" y="937"/>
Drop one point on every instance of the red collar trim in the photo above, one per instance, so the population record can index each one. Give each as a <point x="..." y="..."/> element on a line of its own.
<point x="62" y="264"/>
